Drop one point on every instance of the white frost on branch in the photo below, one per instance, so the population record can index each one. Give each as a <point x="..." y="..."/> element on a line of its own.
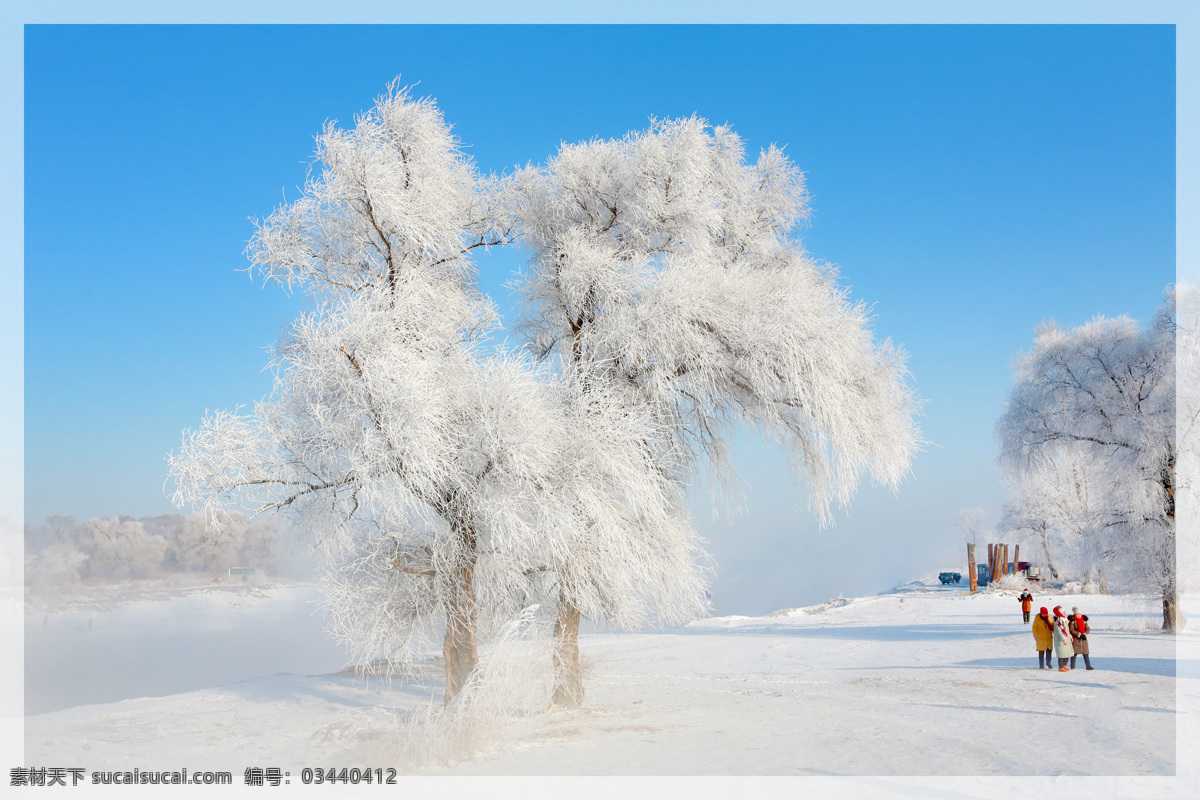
<point x="664" y="266"/>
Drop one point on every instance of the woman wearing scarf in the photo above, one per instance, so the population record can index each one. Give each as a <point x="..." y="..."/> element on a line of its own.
<point x="1043" y="638"/>
<point x="1078" y="627"/>
<point x="1062" y="640"/>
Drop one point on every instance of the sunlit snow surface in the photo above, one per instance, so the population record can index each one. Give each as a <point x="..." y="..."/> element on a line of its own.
<point x="924" y="681"/>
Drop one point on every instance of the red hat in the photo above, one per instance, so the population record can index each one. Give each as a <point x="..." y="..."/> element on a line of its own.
<point x="1045" y="611"/>
<point x="1058" y="612"/>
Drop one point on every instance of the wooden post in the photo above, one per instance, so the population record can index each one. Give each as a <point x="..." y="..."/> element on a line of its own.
<point x="972" y="570"/>
<point x="1017" y="558"/>
<point x="991" y="562"/>
<point x="1004" y="561"/>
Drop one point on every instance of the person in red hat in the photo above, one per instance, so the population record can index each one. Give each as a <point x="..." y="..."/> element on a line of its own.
<point x="1043" y="638"/>
<point x="1062" y="640"/>
<point x="1078" y="627"/>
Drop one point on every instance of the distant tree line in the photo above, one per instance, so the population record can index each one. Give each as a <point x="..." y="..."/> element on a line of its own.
<point x="62" y="552"/>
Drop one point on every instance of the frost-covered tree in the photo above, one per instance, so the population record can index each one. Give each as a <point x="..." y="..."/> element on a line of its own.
<point x="210" y="543"/>
<point x="407" y="451"/>
<point x="970" y="523"/>
<point x="1188" y="420"/>
<point x="57" y="529"/>
<point x="119" y="547"/>
<point x="53" y="554"/>
<point x="665" y="281"/>
<point x="1061" y="504"/>
<point x="262" y="545"/>
<point x="1108" y="387"/>
<point x="170" y="528"/>
<point x="669" y="305"/>
<point x="58" y="565"/>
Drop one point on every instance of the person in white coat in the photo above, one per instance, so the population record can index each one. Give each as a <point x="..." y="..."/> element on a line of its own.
<point x="1063" y="648"/>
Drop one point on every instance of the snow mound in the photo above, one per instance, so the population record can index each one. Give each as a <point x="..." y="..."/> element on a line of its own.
<point x="929" y="582"/>
<point x="819" y="608"/>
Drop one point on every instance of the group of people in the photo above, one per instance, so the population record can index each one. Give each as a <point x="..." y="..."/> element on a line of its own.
<point x="1058" y="635"/>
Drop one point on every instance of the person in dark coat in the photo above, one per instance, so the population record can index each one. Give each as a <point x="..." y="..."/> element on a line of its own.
<point x="1078" y="627"/>
<point x="1043" y="638"/>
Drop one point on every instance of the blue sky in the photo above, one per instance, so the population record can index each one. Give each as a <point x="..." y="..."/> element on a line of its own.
<point x="969" y="181"/>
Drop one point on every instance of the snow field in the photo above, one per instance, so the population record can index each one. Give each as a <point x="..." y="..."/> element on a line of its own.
<point x="930" y="683"/>
<point x="923" y="682"/>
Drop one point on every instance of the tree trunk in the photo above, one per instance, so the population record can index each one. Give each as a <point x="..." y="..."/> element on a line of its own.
<point x="1049" y="561"/>
<point x="459" y="648"/>
<point x="568" y="677"/>
<point x="1173" y="618"/>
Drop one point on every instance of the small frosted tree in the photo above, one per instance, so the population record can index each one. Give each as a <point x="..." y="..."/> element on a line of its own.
<point x="665" y="280"/>
<point x="1108" y="387"/>
<point x="970" y="523"/>
<point x="57" y="565"/>
<point x="1064" y="499"/>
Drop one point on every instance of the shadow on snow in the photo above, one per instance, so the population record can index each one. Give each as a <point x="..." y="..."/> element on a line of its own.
<point x="1165" y="667"/>
<point x="875" y="633"/>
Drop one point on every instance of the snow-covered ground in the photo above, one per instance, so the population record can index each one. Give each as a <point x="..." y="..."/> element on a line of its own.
<point x="925" y="683"/>
<point x="921" y="682"/>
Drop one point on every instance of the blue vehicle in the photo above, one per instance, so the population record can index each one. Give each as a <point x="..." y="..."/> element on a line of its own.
<point x="948" y="578"/>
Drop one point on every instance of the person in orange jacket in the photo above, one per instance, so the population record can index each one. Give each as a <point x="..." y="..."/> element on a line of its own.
<point x="1043" y="638"/>
<point x="1026" y="604"/>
